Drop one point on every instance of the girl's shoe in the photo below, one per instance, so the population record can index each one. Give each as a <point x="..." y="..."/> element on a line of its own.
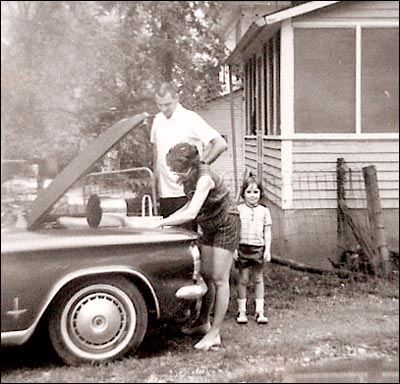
<point x="261" y="319"/>
<point x="241" y="318"/>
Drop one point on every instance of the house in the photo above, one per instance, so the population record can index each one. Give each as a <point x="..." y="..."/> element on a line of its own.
<point x="321" y="82"/>
<point x="217" y="113"/>
<point x="226" y="113"/>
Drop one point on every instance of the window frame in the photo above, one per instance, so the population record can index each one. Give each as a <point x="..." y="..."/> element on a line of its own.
<point x="358" y="26"/>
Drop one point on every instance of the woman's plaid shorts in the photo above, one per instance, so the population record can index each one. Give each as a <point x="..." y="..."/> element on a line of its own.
<point x="222" y="231"/>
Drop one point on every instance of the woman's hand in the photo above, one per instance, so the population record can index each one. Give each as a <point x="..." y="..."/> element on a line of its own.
<point x="145" y="223"/>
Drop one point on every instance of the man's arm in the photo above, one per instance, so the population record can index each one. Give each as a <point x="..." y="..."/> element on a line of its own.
<point x="214" y="149"/>
<point x="154" y="149"/>
<point x="155" y="175"/>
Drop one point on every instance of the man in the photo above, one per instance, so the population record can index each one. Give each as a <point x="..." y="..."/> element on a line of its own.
<point x="172" y="125"/>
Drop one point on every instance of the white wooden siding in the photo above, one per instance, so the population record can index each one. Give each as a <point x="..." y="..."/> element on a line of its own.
<point x="314" y="172"/>
<point x="217" y="113"/>
<point x="250" y="153"/>
<point x="272" y="170"/>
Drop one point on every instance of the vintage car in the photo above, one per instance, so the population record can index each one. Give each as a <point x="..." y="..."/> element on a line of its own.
<point x="95" y="286"/>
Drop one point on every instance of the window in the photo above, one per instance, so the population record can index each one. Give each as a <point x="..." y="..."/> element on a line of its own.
<point x="324" y="80"/>
<point x="329" y="80"/>
<point x="379" y="80"/>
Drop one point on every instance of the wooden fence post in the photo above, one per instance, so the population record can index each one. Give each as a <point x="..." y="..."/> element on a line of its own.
<point x="377" y="227"/>
<point x="340" y="179"/>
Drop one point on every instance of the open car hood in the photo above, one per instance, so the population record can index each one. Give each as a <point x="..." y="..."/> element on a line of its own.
<point x="78" y="167"/>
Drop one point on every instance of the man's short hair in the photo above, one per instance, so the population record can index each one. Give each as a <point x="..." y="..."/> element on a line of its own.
<point x="166" y="88"/>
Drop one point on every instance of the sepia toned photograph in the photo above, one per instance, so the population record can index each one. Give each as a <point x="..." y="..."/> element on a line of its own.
<point x="200" y="191"/>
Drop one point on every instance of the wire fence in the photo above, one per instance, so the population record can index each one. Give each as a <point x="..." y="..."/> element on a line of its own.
<point x="308" y="230"/>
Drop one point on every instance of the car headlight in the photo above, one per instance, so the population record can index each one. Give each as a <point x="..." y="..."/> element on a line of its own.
<point x="195" y="252"/>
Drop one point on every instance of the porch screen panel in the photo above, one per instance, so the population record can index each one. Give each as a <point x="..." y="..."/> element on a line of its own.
<point x="278" y="82"/>
<point x="252" y="102"/>
<point x="267" y="94"/>
<point x="270" y="84"/>
<point x="380" y="80"/>
<point x="247" y="97"/>
<point x="324" y="86"/>
<point x="254" y="126"/>
<point x="259" y="98"/>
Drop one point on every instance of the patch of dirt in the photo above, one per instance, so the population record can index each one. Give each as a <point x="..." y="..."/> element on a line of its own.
<point x="313" y="319"/>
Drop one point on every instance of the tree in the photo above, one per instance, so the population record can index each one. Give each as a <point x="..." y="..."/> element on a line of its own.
<point x="71" y="69"/>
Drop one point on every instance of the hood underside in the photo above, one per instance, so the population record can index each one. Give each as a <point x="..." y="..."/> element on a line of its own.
<point x="78" y="167"/>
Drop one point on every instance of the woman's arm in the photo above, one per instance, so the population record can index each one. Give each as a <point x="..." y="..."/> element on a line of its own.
<point x="192" y="207"/>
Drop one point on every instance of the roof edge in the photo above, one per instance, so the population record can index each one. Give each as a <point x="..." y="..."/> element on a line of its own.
<point x="292" y="12"/>
<point x="274" y="18"/>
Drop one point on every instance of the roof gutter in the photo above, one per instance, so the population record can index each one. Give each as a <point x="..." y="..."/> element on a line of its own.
<point x="293" y="12"/>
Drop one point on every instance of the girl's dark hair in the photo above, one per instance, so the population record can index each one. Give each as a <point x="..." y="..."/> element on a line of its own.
<point x="251" y="179"/>
<point x="182" y="156"/>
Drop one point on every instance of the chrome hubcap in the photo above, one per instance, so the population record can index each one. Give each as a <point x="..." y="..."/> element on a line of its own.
<point x="98" y="320"/>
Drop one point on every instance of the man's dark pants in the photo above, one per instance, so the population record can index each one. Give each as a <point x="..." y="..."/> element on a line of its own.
<point x="169" y="205"/>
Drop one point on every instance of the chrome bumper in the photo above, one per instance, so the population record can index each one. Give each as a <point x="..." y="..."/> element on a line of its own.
<point x="192" y="292"/>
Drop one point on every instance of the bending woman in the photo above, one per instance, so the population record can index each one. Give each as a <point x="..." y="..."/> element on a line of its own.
<point x="211" y="206"/>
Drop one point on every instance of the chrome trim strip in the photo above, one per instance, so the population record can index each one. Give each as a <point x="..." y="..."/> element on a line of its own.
<point x="17" y="337"/>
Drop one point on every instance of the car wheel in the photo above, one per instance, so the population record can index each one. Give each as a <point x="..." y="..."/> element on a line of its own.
<point x="96" y="321"/>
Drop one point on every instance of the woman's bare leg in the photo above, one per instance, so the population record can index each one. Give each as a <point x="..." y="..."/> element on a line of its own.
<point x="207" y="302"/>
<point x="221" y="262"/>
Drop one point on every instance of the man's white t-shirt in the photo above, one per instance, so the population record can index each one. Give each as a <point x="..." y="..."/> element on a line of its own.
<point x="183" y="126"/>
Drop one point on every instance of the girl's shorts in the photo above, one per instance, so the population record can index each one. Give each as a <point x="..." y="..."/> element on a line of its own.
<point x="249" y="255"/>
<point x="222" y="231"/>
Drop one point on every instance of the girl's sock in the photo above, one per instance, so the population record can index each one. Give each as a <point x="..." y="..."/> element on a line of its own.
<point x="259" y="305"/>
<point x="241" y="305"/>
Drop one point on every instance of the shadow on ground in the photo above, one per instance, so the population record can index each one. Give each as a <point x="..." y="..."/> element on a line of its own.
<point x="345" y="371"/>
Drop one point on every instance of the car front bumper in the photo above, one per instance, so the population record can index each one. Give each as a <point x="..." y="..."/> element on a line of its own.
<point x="194" y="291"/>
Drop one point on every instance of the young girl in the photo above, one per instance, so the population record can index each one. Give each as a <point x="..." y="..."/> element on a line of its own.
<point x="254" y="248"/>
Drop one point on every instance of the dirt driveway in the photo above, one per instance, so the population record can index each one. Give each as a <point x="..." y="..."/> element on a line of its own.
<point x="321" y="329"/>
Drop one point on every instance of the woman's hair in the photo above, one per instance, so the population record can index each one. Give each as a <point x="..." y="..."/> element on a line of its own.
<point x="183" y="156"/>
<point x="251" y="179"/>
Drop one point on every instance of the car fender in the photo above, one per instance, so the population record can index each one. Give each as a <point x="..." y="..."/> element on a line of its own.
<point x="20" y="337"/>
